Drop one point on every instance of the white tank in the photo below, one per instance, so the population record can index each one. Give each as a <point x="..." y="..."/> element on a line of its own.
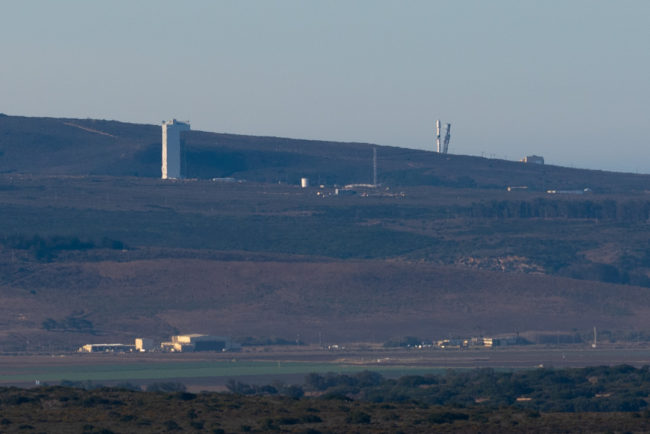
<point x="304" y="182"/>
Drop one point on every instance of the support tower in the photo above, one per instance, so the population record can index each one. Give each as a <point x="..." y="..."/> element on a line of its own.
<point x="171" y="148"/>
<point x="442" y="147"/>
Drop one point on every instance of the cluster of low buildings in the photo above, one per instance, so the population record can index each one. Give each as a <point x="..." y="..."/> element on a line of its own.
<point x="583" y="191"/>
<point x="478" y="342"/>
<point x="179" y="343"/>
<point x="466" y="343"/>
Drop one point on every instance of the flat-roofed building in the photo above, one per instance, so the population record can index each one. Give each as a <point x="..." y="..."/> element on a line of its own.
<point x="144" y="344"/>
<point x="199" y="342"/>
<point x="534" y="159"/>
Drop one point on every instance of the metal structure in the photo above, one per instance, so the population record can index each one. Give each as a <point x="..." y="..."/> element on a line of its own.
<point x="442" y="147"/>
<point x="447" y="137"/>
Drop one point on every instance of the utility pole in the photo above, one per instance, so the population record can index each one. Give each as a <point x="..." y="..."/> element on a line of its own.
<point x="374" y="166"/>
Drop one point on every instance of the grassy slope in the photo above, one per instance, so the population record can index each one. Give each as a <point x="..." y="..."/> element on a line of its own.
<point x="221" y="258"/>
<point x="352" y="300"/>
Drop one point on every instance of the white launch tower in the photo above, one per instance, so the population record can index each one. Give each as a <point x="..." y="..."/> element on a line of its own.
<point x="442" y="148"/>
<point x="171" y="148"/>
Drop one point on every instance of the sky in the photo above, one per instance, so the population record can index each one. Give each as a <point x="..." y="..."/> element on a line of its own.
<point x="565" y="79"/>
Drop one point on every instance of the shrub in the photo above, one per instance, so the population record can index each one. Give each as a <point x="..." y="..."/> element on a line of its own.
<point x="311" y="418"/>
<point x="185" y="396"/>
<point x="358" y="417"/>
<point x="197" y="425"/>
<point x="169" y="386"/>
<point x="447" y="417"/>
<point x="171" y="425"/>
<point x="288" y="421"/>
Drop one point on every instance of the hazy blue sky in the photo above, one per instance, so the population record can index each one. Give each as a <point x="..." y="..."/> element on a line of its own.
<point x="566" y="79"/>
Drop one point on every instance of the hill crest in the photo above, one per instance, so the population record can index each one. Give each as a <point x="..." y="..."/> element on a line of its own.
<point x="65" y="146"/>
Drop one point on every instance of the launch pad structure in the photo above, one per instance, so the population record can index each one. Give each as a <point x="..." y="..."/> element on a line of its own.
<point x="171" y="148"/>
<point x="443" y="147"/>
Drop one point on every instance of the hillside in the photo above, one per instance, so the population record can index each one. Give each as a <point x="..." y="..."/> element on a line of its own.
<point x="89" y="252"/>
<point x="321" y="300"/>
<point x="104" y="258"/>
<point x="98" y="147"/>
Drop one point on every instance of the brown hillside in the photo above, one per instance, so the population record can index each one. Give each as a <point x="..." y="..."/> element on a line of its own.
<point x="343" y="301"/>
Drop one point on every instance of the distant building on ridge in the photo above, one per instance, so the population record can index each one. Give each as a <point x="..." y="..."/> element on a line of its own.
<point x="535" y="159"/>
<point x="171" y="148"/>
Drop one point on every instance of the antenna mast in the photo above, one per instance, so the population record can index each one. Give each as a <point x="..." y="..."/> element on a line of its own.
<point x="374" y="166"/>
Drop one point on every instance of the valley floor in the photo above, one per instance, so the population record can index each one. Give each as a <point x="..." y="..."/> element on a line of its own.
<point x="263" y="365"/>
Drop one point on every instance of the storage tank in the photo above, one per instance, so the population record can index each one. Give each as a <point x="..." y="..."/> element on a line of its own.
<point x="304" y="182"/>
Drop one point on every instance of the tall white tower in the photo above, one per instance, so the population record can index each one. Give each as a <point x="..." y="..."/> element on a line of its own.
<point x="442" y="147"/>
<point x="171" y="148"/>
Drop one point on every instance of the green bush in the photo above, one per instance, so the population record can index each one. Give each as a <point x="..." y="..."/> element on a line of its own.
<point x="358" y="417"/>
<point x="447" y="417"/>
<point x="166" y="387"/>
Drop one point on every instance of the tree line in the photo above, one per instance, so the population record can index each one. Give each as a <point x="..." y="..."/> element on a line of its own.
<point x="46" y="247"/>
<point x="608" y="209"/>
<point x="591" y="389"/>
